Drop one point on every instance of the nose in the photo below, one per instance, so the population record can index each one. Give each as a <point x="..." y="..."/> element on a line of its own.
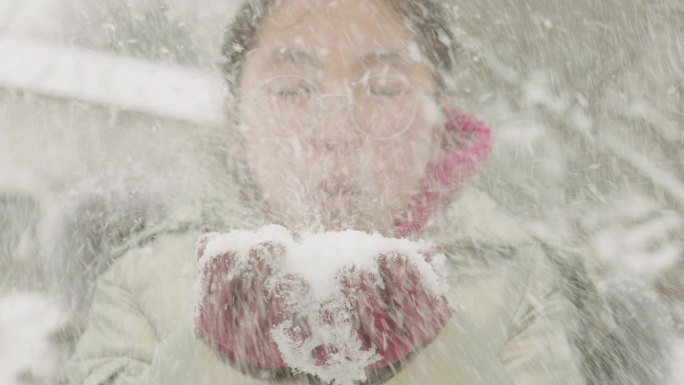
<point x="335" y="130"/>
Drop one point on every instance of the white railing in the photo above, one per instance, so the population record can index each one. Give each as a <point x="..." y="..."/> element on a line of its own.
<point x="167" y="91"/>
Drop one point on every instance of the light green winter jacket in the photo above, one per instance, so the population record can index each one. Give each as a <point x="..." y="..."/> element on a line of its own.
<point x="510" y="326"/>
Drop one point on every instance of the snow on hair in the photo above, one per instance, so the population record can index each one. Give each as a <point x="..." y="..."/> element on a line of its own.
<point x="431" y="21"/>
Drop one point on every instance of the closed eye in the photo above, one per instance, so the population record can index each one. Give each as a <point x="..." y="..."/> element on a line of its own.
<point x="295" y="92"/>
<point x="387" y="87"/>
<point x="291" y="91"/>
<point x="386" y="92"/>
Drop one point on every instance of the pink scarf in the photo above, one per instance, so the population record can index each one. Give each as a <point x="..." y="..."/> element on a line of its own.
<point x="452" y="172"/>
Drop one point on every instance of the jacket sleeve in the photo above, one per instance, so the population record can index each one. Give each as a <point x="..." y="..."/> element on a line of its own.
<point x="538" y="350"/>
<point x="530" y="348"/>
<point x="119" y="342"/>
<point x="120" y="345"/>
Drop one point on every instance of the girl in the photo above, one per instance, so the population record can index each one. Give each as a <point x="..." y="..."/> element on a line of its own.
<point x="341" y="119"/>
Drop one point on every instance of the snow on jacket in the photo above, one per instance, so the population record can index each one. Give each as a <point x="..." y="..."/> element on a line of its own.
<point x="511" y="325"/>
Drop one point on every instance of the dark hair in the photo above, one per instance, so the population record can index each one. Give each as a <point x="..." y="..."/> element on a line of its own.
<point x="430" y="20"/>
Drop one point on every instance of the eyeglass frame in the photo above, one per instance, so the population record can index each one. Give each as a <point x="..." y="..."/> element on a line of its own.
<point x="420" y="96"/>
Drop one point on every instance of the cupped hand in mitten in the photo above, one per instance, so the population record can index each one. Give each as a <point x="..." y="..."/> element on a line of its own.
<point x="235" y="310"/>
<point x="396" y="309"/>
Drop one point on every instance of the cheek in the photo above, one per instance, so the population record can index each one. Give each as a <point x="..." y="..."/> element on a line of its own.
<point x="277" y="162"/>
<point x="399" y="171"/>
<point x="272" y="143"/>
<point x="401" y="165"/>
<point x="409" y="156"/>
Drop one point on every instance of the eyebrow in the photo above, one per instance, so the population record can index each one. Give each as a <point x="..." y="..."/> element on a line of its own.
<point x="391" y="57"/>
<point x="282" y="56"/>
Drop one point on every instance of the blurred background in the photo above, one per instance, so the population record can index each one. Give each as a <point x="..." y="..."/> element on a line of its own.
<point x="110" y="104"/>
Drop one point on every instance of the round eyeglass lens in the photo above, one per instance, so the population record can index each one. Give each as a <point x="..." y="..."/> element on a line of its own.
<point x="289" y="102"/>
<point x="384" y="107"/>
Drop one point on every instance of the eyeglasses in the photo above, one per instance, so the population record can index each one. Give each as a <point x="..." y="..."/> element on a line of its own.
<point x="383" y="107"/>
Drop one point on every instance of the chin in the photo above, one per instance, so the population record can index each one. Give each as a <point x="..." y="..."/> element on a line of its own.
<point x="363" y="222"/>
<point x="320" y="220"/>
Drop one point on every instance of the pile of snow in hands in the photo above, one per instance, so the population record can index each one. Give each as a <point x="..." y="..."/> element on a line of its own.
<point x="312" y="264"/>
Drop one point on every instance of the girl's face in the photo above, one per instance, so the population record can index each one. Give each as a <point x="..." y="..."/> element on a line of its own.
<point x="338" y="114"/>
